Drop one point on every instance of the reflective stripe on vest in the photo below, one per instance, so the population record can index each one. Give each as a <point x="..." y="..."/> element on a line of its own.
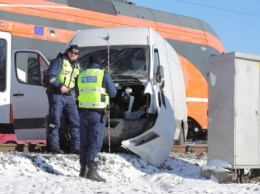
<point x="101" y="90"/>
<point x="91" y="91"/>
<point x="67" y="75"/>
<point x="97" y="105"/>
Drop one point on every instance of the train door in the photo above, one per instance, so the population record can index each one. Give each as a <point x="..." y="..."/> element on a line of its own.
<point x="28" y="96"/>
<point x="5" y="64"/>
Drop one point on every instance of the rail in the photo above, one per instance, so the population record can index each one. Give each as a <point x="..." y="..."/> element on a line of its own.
<point x="22" y="147"/>
<point x="192" y="148"/>
<point x="42" y="147"/>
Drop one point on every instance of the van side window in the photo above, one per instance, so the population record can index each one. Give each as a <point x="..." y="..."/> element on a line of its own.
<point x="43" y="67"/>
<point x="30" y="68"/>
<point x="156" y="62"/>
<point x="3" y="46"/>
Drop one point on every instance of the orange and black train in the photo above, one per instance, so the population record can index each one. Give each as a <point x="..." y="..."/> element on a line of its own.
<point x="48" y="25"/>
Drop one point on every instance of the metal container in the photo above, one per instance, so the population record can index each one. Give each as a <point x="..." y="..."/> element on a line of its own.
<point x="233" y="112"/>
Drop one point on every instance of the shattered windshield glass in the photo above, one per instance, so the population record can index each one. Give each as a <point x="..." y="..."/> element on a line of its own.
<point x="123" y="61"/>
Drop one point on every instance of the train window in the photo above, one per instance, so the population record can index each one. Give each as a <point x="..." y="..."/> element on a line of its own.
<point x="3" y="46"/>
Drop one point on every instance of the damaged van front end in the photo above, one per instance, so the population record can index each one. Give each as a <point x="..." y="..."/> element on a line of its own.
<point x="142" y="116"/>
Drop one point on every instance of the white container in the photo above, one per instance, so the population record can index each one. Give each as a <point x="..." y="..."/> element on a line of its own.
<point x="233" y="112"/>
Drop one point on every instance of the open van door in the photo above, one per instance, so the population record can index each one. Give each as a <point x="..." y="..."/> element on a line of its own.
<point x="28" y="94"/>
<point x="23" y="101"/>
<point x="5" y="63"/>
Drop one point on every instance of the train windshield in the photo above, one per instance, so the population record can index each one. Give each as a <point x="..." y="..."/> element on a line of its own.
<point x="119" y="60"/>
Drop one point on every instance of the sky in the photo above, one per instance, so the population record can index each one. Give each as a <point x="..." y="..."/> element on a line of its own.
<point x="43" y="173"/>
<point x="236" y="22"/>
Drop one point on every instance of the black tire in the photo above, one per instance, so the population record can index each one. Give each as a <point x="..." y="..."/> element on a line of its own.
<point x="195" y="131"/>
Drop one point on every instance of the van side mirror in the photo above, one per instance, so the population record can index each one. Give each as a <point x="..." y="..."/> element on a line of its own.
<point x="159" y="74"/>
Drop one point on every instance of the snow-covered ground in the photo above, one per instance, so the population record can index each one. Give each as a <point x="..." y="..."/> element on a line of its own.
<point x="125" y="174"/>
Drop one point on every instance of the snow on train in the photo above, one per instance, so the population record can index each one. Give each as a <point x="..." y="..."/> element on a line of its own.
<point x="47" y="26"/>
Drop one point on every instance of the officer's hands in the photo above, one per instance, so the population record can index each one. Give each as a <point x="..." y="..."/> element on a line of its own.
<point x="64" y="90"/>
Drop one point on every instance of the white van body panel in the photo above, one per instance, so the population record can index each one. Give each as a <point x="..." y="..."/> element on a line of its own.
<point x="155" y="144"/>
<point x="175" y="88"/>
<point x="117" y="36"/>
<point x="179" y="92"/>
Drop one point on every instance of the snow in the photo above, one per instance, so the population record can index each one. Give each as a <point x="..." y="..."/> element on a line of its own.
<point x="125" y="174"/>
<point x="217" y="165"/>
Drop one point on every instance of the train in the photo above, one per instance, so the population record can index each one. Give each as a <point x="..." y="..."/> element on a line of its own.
<point x="48" y="26"/>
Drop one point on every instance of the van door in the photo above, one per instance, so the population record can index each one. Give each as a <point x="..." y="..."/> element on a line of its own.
<point x="5" y="65"/>
<point x="28" y="96"/>
<point x="155" y="144"/>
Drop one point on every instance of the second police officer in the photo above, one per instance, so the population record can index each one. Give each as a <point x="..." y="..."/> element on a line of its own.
<point x="95" y="87"/>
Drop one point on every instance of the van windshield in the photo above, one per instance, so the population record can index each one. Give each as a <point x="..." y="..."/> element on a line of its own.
<point x="123" y="61"/>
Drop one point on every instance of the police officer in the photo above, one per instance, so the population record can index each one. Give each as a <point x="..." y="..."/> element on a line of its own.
<point x="60" y="79"/>
<point x="95" y="87"/>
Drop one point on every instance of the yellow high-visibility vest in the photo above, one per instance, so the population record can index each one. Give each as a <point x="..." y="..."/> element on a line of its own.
<point x="91" y="90"/>
<point x="68" y="75"/>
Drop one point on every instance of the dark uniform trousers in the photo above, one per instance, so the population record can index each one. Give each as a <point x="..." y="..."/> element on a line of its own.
<point x="65" y="104"/>
<point x="92" y="131"/>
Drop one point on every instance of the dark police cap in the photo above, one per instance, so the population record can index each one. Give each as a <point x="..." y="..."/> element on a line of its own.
<point x="73" y="49"/>
<point x="95" y="59"/>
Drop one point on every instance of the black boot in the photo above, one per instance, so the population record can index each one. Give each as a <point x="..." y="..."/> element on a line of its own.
<point x="93" y="175"/>
<point x="57" y="151"/>
<point x="83" y="171"/>
<point x="75" y="151"/>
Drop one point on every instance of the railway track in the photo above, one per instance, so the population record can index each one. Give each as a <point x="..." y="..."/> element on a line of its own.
<point x="192" y="148"/>
<point x="200" y="148"/>
<point x="22" y="147"/>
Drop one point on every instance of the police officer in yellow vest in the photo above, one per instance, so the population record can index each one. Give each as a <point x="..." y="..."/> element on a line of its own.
<point x="94" y="88"/>
<point x="60" y="80"/>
